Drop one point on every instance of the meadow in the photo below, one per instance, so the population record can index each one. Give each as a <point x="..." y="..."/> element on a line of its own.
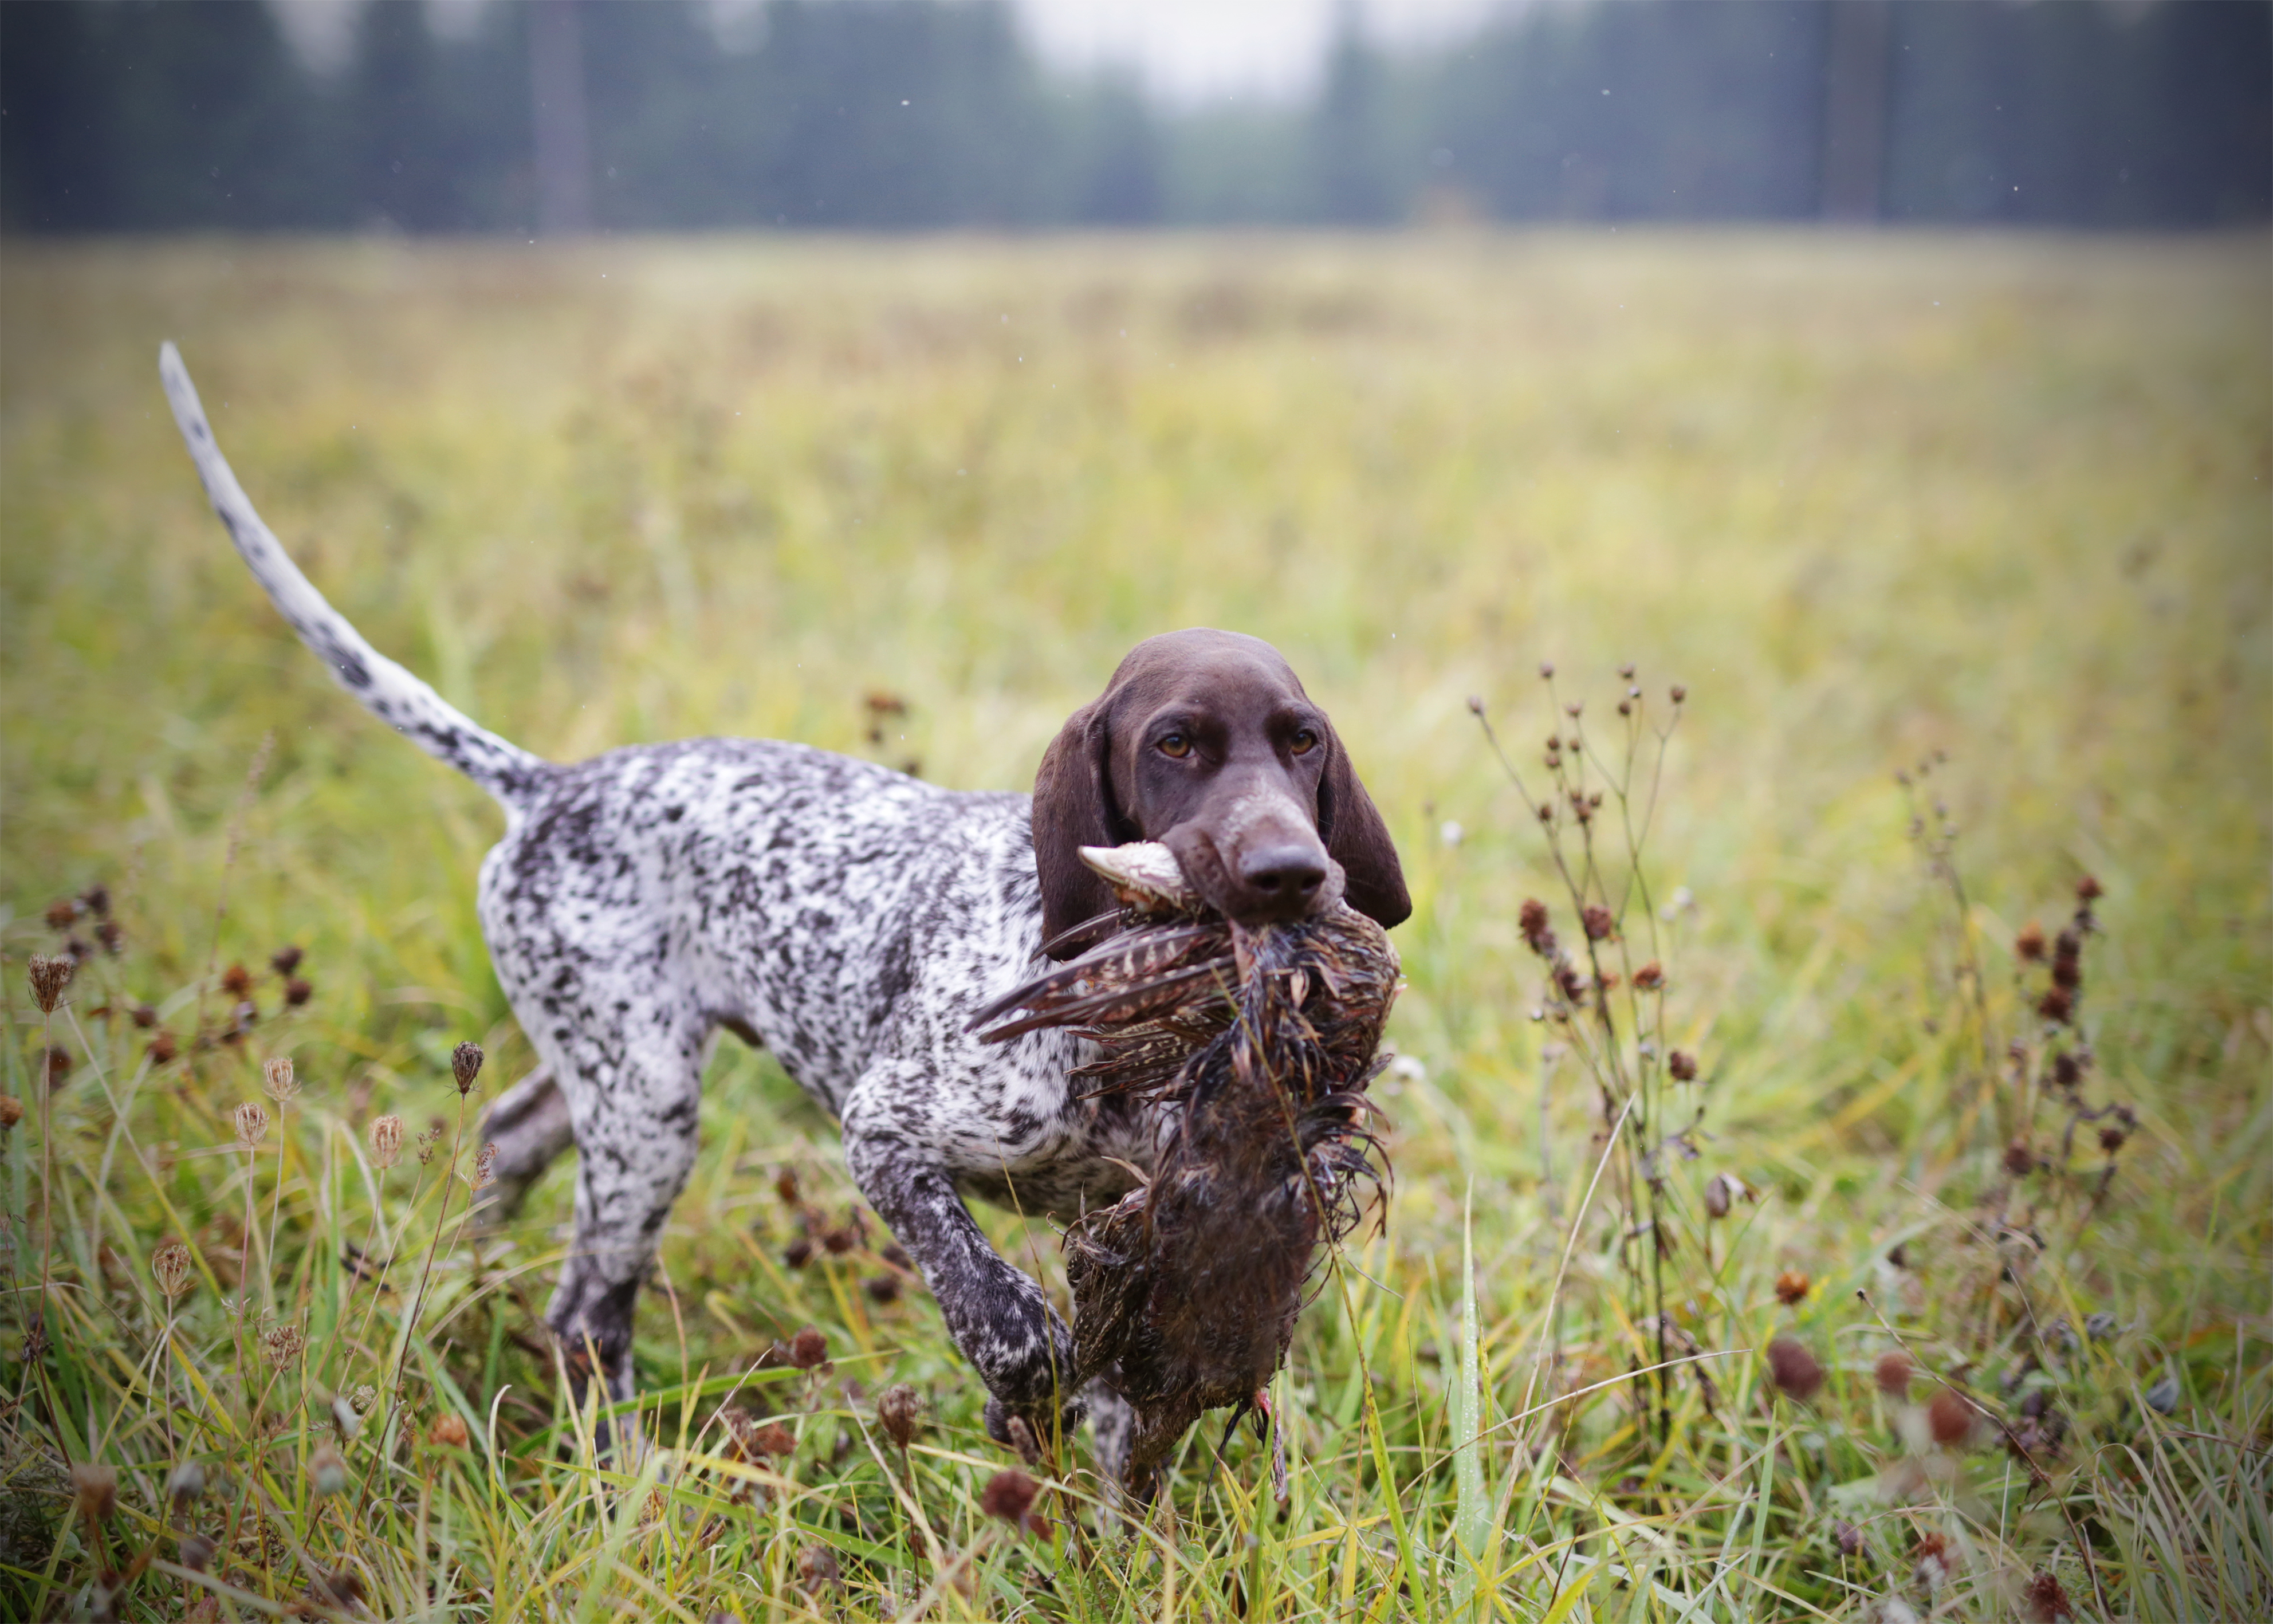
<point x="1959" y="549"/>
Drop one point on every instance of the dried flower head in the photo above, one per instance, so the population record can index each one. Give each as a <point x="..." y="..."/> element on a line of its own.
<point x="327" y="1470"/>
<point x="2029" y="946"/>
<point x="173" y="1266"/>
<point x="252" y="1124"/>
<point x="882" y="1288"/>
<point x="1717" y="1194"/>
<point x="2020" y="1160"/>
<point x="775" y="1439"/>
<point x="809" y="1349"/>
<point x="817" y="1569"/>
<point x="145" y="1016"/>
<point x="297" y="992"/>
<point x="1936" y="1559"/>
<point x="2068" y="1070"/>
<point x="1008" y="1494"/>
<point x="1599" y="923"/>
<point x="386" y="1141"/>
<point x="112" y="939"/>
<point x="2112" y="1137"/>
<point x="50" y="973"/>
<point x="465" y="1065"/>
<point x="95" y="1490"/>
<point x="2044" y="1601"/>
<point x="797" y="1253"/>
<point x="236" y="981"/>
<point x="1949" y="1418"/>
<point x="185" y="1483"/>
<point x="1682" y="1065"/>
<point x="163" y="1048"/>
<point x="1650" y="977"/>
<point x="2088" y="890"/>
<point x="840" y="1240"/>
<point x="1793" y="1370"/>
<point x="1531" y="918"/>
<point x="1546" y="670"/>
<point x="900" y="1412"/>
<point x="278" y="1079"/>
<point x="1893" y="1375"/>
<point x="12" y="1111"/>
<point x="197" y="1553"/>
<point x="785" y="1187"/>
<point x="61" y="912"/>
<point x="449" y="1430"/>
<point x="2056" y="1006"/>
<point x="1680" y="694"/>
<point x="286" y="958"/>
<point x="283" y="1343"/>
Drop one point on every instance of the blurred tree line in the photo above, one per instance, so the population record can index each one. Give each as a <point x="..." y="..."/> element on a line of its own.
<point x="635" y="115"/>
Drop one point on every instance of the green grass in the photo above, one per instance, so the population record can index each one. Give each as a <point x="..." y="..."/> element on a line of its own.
<point x="1869" y="499"/>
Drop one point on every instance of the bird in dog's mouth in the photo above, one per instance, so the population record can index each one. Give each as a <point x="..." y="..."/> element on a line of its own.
<point x="1262" y="1041"/>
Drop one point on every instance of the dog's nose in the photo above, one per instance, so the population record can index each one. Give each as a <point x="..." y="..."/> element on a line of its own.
<point x="1284" y="877"/>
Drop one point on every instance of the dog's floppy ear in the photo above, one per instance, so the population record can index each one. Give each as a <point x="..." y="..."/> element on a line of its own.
<point x="1357" y="839"/>
<point x="1073" y="808"/>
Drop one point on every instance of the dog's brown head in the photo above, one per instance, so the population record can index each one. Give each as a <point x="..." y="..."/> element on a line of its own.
<point x="1204" y="740"/>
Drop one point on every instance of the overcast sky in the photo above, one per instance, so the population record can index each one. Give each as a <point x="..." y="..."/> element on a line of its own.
<point x="1188" y="50"/>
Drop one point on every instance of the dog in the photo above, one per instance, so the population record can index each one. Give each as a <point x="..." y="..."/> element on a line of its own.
<point x="852" y="920"/>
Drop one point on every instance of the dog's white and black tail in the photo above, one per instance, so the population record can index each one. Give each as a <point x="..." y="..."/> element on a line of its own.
<point x="387" y="690"/>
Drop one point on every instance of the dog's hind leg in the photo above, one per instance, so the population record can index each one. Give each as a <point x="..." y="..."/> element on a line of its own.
<point x="529" y="1125"/>
<point x="631" y="1078"/>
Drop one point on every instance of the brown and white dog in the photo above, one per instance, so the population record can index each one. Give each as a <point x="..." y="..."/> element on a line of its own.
<point x="852" y="920"/>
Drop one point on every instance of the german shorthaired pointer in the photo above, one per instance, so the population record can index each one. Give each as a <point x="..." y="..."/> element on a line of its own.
<point x="852" y="920"/>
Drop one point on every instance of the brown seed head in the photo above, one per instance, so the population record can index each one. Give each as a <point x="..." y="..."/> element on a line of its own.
<point x="2057" y="1006"/>
<point x="173" y="1265"/>
<point x="449" y="1430"/>
<point x="1680" y="694"/>
<point x="144" y="1017"/>
<point x="2029" y="946"/>
<point x="283" y="1344"/>
<point x="797" y="1253"/>
<point x="1627" y="671"/>
<point x="50" y="973"/>
<point x="96" y="900"/>
<point x="2044" y="1601"/>
<point x="12" y="1111"/>
<point x="1531" y="918"/>
<point x="1791" y="1287"/>
<point x="2068" y="1070"/>
<point x="2020" y="1160"/>
<point x="883" y="1287"/>
<point x="94" y="1491"/>
<point x="1949" y="1416"/>
<point x="2088" y="890"/>
<point x="1793" y="1369"/>
<point x="1935" y="1558"/>
<point x="286" y="958"/>
<point x="785" y="1187"/>
<point x="839" y="1240"/>
<point x="61" y="912"/>
<point x="2112" y="1138"/>
<point x="112" y="939"/>
<point x="465" y="1065"/>
<point x="252" y="1124"/>
<point x="236" y="981"/>
<point x="1894" y="1373"/>
<point x="1546" y="670"/>
<point x="775" y="1439"/>
<point x="1682" y="1065"/>
<point x="297" y="992"/>
<point x="1650" y="977"/>
<point x="1717" y="1194"/>
<point x="808" y="1349"/>
<point x="1008" y="1494"/>
<point x="386" y="1142"/>
<point x="163" y="1049"/>
<point x="817" y="1569"/>
<point x="1477" y="704"/>
<point x="1599" y="925"/>
<point x="278" y="1079"/>
<point x="900" y="1412"/>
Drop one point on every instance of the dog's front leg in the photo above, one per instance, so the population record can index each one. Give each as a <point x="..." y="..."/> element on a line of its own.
<point x="996" y="1314"/>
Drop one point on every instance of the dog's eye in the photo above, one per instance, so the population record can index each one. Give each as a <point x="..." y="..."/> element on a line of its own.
<point x="1176" y="745"/>
<point x="1303" y="741"/>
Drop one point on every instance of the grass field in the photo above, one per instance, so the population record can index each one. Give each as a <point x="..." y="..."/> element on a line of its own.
<point x="1998" y="506"/>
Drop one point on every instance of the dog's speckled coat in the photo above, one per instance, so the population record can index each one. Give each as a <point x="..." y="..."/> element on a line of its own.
<point x="848" y="918"/>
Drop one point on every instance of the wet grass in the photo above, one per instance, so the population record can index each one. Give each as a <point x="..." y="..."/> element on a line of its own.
<point x="1992" y="508"/>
